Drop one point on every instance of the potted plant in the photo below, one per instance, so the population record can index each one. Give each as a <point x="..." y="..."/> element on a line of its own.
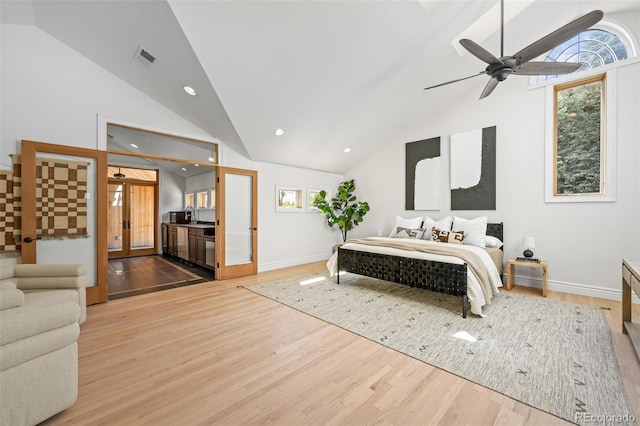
<point x="343" y="210"/>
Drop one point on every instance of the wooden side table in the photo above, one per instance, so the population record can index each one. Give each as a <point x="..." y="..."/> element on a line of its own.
<point x="510" y="272"/>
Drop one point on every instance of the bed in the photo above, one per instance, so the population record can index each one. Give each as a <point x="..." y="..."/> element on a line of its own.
<point x="471" y="272"/>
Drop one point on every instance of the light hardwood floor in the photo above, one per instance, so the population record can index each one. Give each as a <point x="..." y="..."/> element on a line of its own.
<point x="213" y="353"/>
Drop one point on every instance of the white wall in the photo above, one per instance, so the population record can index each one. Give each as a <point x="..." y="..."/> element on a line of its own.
<point x="50" y="93"/>
<point x="583" y="242"/>
<point x="276" y="231"/>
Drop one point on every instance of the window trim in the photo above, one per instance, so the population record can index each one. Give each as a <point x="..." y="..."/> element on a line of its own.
<point x="608" y="134"/>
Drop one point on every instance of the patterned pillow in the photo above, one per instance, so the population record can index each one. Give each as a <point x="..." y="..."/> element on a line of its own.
<point x="447" y="236"/>
<point x="409" y="233"/>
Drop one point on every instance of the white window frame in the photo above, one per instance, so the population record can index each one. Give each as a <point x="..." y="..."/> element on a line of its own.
<point x="303" y="199"/>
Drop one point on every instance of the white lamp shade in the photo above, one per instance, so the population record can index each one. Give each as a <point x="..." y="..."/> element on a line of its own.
<point x="528" y="243"/>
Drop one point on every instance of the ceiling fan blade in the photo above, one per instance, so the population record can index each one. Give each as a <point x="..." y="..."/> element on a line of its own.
<point x="546" y="68"/>
<point x="559" y="36"/>
<point x="491" y="84"/>
<point x="454" y="81"/>
<point x="479" y="52"/>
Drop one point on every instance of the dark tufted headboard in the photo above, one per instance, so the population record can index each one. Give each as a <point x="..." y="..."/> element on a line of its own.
<point x="495" y="230"/>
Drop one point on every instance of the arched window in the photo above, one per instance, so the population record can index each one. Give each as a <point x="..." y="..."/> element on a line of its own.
<point x="592" y="48"/>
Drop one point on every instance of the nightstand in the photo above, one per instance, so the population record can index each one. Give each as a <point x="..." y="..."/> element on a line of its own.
<point x="512" y="263"/>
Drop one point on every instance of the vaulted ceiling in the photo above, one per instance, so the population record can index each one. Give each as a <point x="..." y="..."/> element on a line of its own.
<point x="331" y="74"/>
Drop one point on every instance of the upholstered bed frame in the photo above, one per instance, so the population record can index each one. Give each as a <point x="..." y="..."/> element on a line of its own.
<point x="448" y="278"/>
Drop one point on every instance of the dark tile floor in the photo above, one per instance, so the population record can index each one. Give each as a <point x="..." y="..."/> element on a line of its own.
<point x="144" y="274"/>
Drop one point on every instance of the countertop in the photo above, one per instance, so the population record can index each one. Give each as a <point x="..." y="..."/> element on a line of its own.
<point x="194" y="225"/>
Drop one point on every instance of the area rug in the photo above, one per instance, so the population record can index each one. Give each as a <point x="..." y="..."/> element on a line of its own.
<point x="551" y="355"/>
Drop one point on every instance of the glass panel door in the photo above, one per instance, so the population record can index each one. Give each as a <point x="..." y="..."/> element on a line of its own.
<point x="237" y="222"/>
<point x="116" y="217"/>
<point x="132" y="219"/>
<point x="63" y="194"/>
<point x="142" y="226"/>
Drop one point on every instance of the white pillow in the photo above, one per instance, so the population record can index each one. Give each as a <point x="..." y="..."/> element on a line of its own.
<point x="477" y="225"/>
<point x="474" y="239"/>
<point x="443" y="224"/>
<point x="491" y="241"/>
<point x="413" y="223"/>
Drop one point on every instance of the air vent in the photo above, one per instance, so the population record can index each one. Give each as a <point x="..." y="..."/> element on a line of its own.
<point x="144" y="56"/>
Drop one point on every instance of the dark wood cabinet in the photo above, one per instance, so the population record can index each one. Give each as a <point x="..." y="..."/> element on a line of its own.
<point x="197" y="243"/>
<point x="197" y="240"/>
<point x="172" y="239"/>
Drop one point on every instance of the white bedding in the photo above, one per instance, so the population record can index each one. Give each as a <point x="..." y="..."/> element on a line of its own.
<point x="474" y="291"/>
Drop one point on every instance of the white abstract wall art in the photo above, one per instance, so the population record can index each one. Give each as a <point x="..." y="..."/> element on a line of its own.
<point x="422" y="175"/>
<point x="473" y="169"/>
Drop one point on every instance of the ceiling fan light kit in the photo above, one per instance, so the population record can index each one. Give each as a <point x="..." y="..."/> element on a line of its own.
<point x="520" y="63"/>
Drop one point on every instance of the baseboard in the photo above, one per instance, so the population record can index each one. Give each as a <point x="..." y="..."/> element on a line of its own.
<point x="263" y="267"/>
<point x="573" y="288"/>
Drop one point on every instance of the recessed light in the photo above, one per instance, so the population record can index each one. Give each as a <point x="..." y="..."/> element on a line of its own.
<point x="197" y="165"/>
<point x="134" y="145"/>
<point x="190" y="90"/>
<point x="184" y="169"/>
<point x="278" y="132"/>
<point x="347" y="150"/>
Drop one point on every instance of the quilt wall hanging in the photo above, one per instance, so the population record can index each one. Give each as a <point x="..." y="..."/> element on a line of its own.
<point x="422" y="175"/>
<point x="473" y="169"/>
<point x="7" y="213"/>
<point x="61" y="207"/>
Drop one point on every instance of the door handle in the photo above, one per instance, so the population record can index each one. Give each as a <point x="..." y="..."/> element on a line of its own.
<point x="255" y="228"/>
<point x="29" y="239"/>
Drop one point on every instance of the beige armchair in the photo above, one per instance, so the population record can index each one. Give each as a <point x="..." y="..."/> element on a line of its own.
<point x="41" y="307"/>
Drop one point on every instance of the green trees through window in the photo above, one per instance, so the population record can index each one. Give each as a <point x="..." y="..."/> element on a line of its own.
<point x="579" y="145"/>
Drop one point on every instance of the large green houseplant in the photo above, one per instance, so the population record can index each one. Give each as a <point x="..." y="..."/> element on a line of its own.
<point x="344" y="209"/>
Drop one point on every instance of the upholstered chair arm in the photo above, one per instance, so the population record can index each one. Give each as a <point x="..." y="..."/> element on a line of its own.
<point x="43" y="276"/>
<point x="10" y="296"/>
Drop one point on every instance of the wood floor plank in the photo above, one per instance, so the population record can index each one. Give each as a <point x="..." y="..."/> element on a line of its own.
<point x="215" y="353"/>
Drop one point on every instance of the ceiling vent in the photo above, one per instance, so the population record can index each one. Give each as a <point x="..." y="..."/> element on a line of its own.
<point x="144" y="56"/>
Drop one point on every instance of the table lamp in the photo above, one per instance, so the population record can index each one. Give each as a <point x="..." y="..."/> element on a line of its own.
<point x="528" y="243"/>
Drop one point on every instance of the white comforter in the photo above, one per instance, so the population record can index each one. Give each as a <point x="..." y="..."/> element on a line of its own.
<point x="474" y="290"/>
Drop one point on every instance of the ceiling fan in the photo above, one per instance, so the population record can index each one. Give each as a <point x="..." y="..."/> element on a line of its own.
<point x="520" y="63"/>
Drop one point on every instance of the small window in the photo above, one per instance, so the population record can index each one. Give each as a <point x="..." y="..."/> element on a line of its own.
<point x="289" y="199"/>
<point x="213" y="198"/>
<point x="592" y="48"/>
<point x="201" y="198"/>
<point x="189" y="200"/>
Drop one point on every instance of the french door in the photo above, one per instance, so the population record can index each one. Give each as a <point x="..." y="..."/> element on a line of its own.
<point x="133" y="217"/>
<point x="63" y="194"/>
<point x="236" y="222"/>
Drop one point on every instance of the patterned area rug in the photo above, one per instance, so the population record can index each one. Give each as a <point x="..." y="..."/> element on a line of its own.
<point x="552" y="355"/>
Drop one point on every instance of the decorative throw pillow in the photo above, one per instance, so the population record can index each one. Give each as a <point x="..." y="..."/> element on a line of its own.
<point x="413" y="223"/>
<point x="409" y="233"/>
<point x="447" y="236"/>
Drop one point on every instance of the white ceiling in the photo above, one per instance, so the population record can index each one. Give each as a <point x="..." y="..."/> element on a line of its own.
<point x="332" y="74"/>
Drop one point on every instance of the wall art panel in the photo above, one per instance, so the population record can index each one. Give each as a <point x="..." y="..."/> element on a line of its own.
<point x="422" y="175"/>
<point x="473" y="170"/>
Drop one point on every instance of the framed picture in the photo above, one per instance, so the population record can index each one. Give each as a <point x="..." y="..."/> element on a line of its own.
<point x="314" y="193"/>
<point x="290" y="198"/>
